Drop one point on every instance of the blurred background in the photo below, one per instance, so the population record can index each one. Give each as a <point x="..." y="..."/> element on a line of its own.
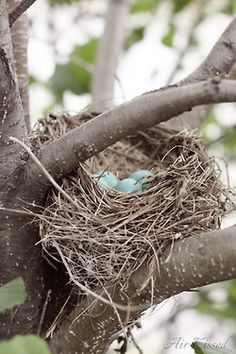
<point x="163" y="42"/>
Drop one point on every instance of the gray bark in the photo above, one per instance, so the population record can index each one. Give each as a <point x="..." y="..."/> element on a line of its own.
<point x="19" y="35"/>
<point x="62" y="156"/>
<point x="219" y="62"/>
<point x="19" y="256"/>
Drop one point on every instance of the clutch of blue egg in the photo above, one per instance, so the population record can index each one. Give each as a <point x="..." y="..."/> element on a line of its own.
<point x="136" y="182"/>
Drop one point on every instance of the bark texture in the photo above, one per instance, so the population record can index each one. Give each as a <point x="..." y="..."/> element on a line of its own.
<point x="19" y="256"/>
<point x="19" y="36"/>
<point x="61" y="156"/>
<point x="220" y="61"/>
<point x="21" y="7"/>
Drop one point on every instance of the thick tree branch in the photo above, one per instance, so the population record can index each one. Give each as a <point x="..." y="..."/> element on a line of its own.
<point x="62" y="156"/>
<point x="19" y="35"/>
<point x="11" y="113"/>
<point x="147" y="110"/>
<point x="221" y="59"/>
<point x="19" y="10"/>
<point x="194" y="22"/>
<point x="108" y="54"/>
<point x="194" y="262"/>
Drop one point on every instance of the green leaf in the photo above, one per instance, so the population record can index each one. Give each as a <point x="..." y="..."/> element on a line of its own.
<point x="12" y="294"/>
<point x="87" y="52"/>
<point x="169" y="36"/>
<point x="144" y="6"/>
<point x="232" y="290"/>
<point x="24" y="345"/>
<point x="71" y="76"/>
<point x="221" y="311"/>
<point x="197" y="349"/>
<point x="207" y="348"/>
<point x="230" y="7"/>
<point x="180" y="4"/>
<point x="134" y="36"/>
<point x="32" y="80"/>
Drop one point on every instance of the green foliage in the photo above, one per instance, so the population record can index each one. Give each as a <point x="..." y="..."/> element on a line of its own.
<point x="205" y="348"/>
<point x="230" y="7"/>
<point x="226" y="310"/>
<point x="197" y="349"/>
<point x="169" y="36"/>
<point x="180" y="4"/>
<point x="229" y="141"/>
<point x="12" y="294"/>
<point x="24" y="345"/>
<point x="32" y="80"/>
<point x="144" y="6"/>
<point x="71" y="76"/>
<point x="135" y="35"/>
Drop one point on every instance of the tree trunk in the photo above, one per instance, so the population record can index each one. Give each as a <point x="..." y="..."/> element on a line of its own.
<point x="19" y="36"/>
<point x="18" y="235"/>
<point x="108" y="54"/>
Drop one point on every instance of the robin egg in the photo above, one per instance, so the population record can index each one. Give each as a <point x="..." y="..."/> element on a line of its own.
<point x="141" y="176"/>
<point x="129" y="185"/>
<point x="106" y="178"/>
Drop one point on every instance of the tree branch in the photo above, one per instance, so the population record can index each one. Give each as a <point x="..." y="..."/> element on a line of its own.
<point x="194" y="262"/>
<point x="62" y="156"/>
<point x="19" y="35"/>
<point x="190" y="120"/>
<point x="140" y="113"/>
<point x="194" y="21"/>
<point x="221" y="59"/>
<point x="11" y="113"/>
<point x="19" y="10"/>
<point x="108" y="54"/>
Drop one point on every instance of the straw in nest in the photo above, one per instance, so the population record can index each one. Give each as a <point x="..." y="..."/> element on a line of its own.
<point x="105" y="235"/>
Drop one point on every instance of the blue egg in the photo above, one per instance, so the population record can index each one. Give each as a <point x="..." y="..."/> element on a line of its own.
<point x="141" y="177"/>
<point x="103" y="183"/>
<point x="108" y="177"/>
<point x="129" y="185"/>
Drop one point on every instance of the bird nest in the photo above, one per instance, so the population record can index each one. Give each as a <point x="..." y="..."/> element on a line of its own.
<point x="105" y="235"/>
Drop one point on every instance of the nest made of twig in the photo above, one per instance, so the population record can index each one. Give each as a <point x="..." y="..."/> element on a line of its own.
<point x="105" y="235"/>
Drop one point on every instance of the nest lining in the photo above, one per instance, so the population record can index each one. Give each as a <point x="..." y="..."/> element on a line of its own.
<point x="110" y="234"/>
